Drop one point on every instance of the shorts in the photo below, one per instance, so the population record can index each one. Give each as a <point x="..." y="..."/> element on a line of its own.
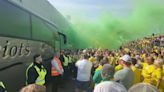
<point x="83" y="85"/>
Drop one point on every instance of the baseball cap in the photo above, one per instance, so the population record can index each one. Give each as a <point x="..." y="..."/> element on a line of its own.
<point x="126" y="58"/>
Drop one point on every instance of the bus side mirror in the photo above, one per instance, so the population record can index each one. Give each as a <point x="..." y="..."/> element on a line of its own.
<point x="64" y="37"/>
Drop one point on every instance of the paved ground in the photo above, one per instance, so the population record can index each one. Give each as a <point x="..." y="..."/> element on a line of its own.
<point x="69" y="86"/>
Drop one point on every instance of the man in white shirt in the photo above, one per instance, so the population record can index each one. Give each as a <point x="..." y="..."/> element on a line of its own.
<point x="83" y="75"/>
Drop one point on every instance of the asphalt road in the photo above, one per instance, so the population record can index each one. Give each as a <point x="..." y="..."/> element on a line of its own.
<point x="68" y="86"/>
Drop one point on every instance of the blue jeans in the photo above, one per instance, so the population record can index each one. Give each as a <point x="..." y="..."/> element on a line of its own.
<point x="83" y="85"/>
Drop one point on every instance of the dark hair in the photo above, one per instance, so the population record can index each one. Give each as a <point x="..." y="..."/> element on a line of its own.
<point x="97" y="58"/>
<point x="103" y="61"/>
<point x="156" y="54"/>
<point x="151" y="59"/>
<point x="92" y="54"/>
<point x="35" y="56"/>
<point x="112" y="54"/>
<point x="129" y="53"/>
<point x="107" y="71"/>
<point x="134" y="61"/>
<point x="127" y="63"/>
<point x="85" y="56"/>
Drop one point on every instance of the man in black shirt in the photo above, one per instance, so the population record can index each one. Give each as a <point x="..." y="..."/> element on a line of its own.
<point x="36" y="72"/>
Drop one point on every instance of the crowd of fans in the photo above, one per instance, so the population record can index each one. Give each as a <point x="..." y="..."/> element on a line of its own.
<point x="137" y="65"/>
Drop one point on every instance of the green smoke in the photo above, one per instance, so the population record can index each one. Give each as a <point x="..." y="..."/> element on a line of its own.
<point x="110" y="31"/>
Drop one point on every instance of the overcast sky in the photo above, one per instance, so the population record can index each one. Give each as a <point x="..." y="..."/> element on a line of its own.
<point x="92" y="9"/>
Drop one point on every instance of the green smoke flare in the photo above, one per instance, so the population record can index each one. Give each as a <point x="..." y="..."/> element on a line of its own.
<point x="111" y="32"/>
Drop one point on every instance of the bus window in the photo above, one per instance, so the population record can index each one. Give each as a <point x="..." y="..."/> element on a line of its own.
<point x="40" y="31"/>
<point x="14" y="21"/>
<point x="57" y="45"/>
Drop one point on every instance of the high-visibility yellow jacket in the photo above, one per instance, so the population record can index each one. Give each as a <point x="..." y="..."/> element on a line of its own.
<point x="65" y="63"/>
<point x="41" y="72"/>
<point x="3" y="86"/>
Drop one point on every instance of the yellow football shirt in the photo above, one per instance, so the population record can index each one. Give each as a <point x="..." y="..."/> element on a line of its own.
<point x="118" y="67"/>
<point x="137" y="74"/>
<point x="147" y="73"/>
